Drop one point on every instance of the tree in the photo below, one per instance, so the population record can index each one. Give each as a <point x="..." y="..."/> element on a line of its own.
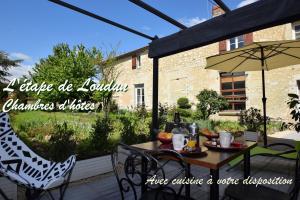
<point x="75" y="65"/>
<point x="107" y="72"/>
<point x="210" y="102"/>
<point x="5" y="65"/>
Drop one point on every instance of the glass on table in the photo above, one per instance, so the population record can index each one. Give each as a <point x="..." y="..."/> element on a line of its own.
<point x="239" y="138"/>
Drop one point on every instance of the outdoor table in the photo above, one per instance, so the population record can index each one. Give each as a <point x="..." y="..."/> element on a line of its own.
<point x="214" y="160"/>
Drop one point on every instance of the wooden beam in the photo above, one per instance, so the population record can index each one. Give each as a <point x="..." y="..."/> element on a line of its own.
<point x="158" y="13"/>
<point x="87" y="13"/>
<point x="223" y="5"/>
<point x="259" y="15"/>
<point x="155" y="123"/>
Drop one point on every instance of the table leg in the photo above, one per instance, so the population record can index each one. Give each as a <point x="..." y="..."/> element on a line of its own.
<point x="144" y="174"/>
<point x="214" y="187"/>
<point x="246" y="164"/>
<point x="187" y="186"/>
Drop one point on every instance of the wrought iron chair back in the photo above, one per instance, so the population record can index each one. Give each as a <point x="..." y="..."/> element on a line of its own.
<point x="127" y="166"/>
<point x="132" y="168"/>
<point x="241" y="191"/>
<point x="168" y="165"/>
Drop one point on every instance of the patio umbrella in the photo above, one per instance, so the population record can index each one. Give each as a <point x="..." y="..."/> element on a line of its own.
<point x="258" y="56"/>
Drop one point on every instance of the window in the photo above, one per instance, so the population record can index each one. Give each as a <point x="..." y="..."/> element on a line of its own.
<point x="133" y="62"/>
<point x="236" y="42"/>
<point x="298" y="87"/>
<point x="296" y="30"/>
<point x="233" y="88"/>
<point x="138" y="61"/>
<point x="139" y="95"/>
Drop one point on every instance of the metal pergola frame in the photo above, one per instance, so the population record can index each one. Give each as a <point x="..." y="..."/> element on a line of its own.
<point x="257" y="16"/>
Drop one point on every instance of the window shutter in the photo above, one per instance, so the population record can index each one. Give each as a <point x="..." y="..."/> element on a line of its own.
<point x="133" y="62"/>
<point x="248" y="38"/>
<point x="222" y="46"/>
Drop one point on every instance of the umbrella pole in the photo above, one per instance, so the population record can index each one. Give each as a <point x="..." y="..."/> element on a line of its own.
<point x="264" y="101"/>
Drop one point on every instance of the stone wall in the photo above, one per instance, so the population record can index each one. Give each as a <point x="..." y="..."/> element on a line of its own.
<point x="183" y="75"/>
<point x="279" y="82"/>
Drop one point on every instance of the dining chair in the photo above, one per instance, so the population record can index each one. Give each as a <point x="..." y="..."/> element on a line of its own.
<point x="250" y="192"/>
<point x="131" y="166"/>
<point x="289" y="152"/>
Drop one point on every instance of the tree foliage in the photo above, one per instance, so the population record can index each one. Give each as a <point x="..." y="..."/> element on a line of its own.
<point x="107" y="73"/>
<point x="183" y="103"/>
<point x="5" y="64"/>
<point x="73" y="64"/>
<point x="210" y="102"/>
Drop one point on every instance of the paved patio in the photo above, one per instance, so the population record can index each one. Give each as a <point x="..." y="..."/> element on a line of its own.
<point x="105" y="187"/>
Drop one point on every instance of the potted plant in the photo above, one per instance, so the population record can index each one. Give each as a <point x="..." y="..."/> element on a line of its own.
<point x="253" y="120"/>
<point x="294" y="104"/>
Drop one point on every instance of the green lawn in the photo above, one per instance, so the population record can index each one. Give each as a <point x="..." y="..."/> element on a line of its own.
<point x="39" y="124"/>
<point x="36" y="129"/>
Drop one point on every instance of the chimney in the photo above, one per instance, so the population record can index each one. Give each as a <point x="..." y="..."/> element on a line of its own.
<point x="217" y="11"/>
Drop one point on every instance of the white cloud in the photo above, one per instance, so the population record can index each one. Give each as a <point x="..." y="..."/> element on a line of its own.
<point x="191" y="21"/>
<point x="18" y="72"/>
<point x="246" y="2"/>
<point x="21" y="56"/>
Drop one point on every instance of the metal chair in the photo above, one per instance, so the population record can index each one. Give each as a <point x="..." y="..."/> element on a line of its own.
<point x="289" y="152"/>
<point x="21" y="165"/>
<point x="132" y="168"/>
<point x="250" y="192"/>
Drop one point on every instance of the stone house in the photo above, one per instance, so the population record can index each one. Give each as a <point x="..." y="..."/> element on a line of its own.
<point x="183" y="75"/>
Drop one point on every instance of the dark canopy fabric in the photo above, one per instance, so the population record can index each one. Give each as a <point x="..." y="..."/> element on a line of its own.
<point x="256" y="16"/>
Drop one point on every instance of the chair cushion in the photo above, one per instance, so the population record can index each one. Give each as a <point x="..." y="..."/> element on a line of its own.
<point x="250" y="192"/>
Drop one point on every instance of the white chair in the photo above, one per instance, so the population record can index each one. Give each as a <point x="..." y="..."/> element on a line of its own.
<point x="22" y="166"/>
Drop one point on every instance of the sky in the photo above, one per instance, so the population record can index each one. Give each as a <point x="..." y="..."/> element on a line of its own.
<point x="31" y="28"/>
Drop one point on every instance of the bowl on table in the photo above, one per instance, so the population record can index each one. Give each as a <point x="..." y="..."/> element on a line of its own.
<point x="165" y="137"/>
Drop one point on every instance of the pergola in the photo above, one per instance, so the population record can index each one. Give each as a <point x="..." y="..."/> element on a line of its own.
<point x="257" y="16"/>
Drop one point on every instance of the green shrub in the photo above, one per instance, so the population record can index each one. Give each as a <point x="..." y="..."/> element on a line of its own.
<point x="114" y="106"/>
<point x="100" y="133"/>
<point x="252" y="119"/>
<point x="141" y="111"/>
<point x="210" y="124"/>
<point x="163" y="110"/>
<point x="230" y="126"/>
<point x="135" y="129"/>
<point x="183" y="103"/>
<point x="275" y="126"/>
<point x="210" y="102"/>
<point x="61" y="143"/>
<point x="185" y="113"/>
